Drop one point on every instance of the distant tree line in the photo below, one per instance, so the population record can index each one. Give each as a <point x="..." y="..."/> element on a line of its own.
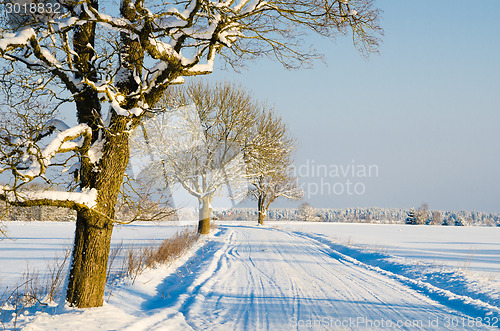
<point x="365" y="215"/>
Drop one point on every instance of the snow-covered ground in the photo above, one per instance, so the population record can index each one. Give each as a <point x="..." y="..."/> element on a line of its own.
<point x="286" y="276"/>
<point x="33" y="245"/>
<point x="474" y="250"/>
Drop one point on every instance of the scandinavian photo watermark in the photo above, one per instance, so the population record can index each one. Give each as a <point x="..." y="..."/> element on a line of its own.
<point x="334" y="179"/>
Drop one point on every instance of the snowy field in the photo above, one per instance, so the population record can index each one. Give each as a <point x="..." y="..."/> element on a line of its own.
<point x="35" y="244"/>
<point x="475" y="250"/>
<point x="286" y="276"/>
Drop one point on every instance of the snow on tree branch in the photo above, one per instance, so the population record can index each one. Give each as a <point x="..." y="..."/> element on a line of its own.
<point x="86" y="198"/>
<point x="27" y="160"/>
<point x="199" y="28"/>
<point x="10" y="41"/>
<point x="60" y="144"/>
<point x="24" y="151"/>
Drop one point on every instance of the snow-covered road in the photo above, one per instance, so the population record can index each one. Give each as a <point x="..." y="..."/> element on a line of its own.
<point x="257" y="278"/>
<point x="266" y="278"/>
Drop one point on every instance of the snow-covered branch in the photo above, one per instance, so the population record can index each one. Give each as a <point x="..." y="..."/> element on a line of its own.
<point x="62" y="143"/>
<point x="184" y="39"/>
<point x="87" y="198"/>
<point x="10" y="41"/>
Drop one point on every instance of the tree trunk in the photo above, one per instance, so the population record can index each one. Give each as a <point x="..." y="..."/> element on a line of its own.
<point x="261" y="217"/>
<point x="89" y="261"/>
<point x="94" y="226"/>
<point x="205" y="214"/>
<point x="261" y="209"/>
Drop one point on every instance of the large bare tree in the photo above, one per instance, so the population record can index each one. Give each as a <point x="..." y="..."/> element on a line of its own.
<point x="199" y="143"/>
<point x="113" y="62"/>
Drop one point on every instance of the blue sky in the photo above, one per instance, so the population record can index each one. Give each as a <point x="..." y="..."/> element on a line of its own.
<point x="425" y="110"/>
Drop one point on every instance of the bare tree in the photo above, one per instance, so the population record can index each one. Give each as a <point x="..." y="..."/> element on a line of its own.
<point x="113" y="62"/>
<point x="436" y="217"/>
<point x="223" y="139"/>
<point x="422" y="214"/>
<point x="199" y="144"/>
<point x="268" y="152"/>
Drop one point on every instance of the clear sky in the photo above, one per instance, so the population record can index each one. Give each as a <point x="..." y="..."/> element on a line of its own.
<point x="425" y="112"/>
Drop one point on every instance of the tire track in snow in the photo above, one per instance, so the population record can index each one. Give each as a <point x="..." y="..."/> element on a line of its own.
<point x="258" y="278"/>
<point x="473" y="308"/>
<point x="358" y="285"/>
<point x="187" y="285"/>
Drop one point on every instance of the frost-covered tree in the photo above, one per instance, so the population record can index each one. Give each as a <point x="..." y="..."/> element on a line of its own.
<point x="267" y="188"/>
<point x="422" y="214"/>
<point x="308" y="213"/>
<point x="436" y="218"/>
<point x="112" y="60"/>
<point x="199" y="144"/>
<point x="269" y="155"/>
<point x="216" y="137"/>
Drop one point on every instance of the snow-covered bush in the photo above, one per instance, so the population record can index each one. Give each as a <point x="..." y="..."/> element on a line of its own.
<point x="308" y="213"/>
